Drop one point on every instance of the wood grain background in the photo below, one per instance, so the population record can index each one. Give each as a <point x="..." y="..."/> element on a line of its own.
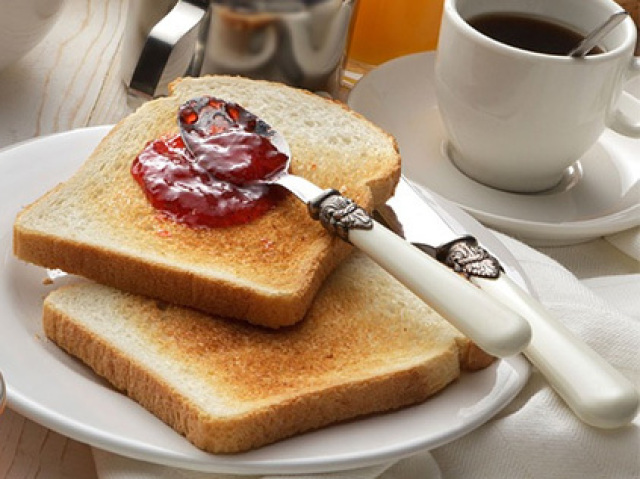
<point x="69" y="80"/>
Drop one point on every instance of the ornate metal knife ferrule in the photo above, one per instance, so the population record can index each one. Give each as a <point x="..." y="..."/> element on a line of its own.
<point x="467" y="257"/>
<point x="339" y="214"/>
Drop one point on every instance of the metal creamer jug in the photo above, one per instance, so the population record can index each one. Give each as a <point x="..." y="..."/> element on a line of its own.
<point x="298" y="42"/>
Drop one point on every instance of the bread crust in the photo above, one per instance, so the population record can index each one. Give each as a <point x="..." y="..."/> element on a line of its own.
<point x="471" y="357"/>
<point x="100" y="225"/>
<point x="305" y="412"/>
<point x="367" y="345"/>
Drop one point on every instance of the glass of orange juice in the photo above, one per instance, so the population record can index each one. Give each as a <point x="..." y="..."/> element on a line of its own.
<point x="386" y="29"/>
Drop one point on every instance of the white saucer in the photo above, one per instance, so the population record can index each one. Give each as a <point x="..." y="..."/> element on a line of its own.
<point x="602" y="197"/>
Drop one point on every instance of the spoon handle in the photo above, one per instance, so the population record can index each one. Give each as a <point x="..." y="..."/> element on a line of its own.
<point x="492" y="326"/>
<point x="592" y="39"/>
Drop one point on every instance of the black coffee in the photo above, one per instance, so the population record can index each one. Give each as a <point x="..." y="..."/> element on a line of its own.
<point x="529" y="33"/>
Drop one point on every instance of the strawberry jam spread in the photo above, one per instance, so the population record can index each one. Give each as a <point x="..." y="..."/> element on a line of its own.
<point x="211" y="183"/>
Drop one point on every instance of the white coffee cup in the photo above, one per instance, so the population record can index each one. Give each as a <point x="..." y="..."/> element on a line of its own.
<point x="517" y="119"/>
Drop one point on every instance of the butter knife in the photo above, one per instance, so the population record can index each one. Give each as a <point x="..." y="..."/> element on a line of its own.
<point x="596" y="392"/>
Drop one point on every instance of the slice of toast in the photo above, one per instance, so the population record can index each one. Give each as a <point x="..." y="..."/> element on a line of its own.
<point x="367" y="345"/>
<point x="100" y="225"/>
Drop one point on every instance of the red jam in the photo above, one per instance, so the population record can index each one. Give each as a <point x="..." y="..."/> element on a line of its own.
<point x="211" y="185"/>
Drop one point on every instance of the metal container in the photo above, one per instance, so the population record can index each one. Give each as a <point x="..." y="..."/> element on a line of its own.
<point x="298" y="42"/>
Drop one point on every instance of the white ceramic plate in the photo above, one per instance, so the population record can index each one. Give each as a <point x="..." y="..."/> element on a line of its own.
<point x="59" y="392"/>
<point x="602" y="198"/>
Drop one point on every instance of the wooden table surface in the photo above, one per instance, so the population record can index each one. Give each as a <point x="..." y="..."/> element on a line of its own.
<point x="69" y="80"/>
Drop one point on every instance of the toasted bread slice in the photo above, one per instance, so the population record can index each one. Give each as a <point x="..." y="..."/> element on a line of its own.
<point x="100" y="225"/>
<point x="367" y="345"/>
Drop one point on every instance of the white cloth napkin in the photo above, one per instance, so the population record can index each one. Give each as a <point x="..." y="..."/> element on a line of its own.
<point x="627" y="241"/>
<point x="536" y="436"/>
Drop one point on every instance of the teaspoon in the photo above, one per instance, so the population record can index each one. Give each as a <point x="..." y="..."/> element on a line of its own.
<point x="491" y="325"/>
<point x="593" y="38"/>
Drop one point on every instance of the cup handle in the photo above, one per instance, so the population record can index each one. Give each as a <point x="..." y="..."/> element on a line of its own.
<point x="183" y="18"/>
<point x="623" y="121"/>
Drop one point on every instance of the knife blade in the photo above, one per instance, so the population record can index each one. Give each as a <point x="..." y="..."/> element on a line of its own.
<point x="596" y="392"/>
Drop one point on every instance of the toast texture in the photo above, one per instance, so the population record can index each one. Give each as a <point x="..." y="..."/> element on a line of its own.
<point x="367" y="345"/>
<point x="100" y="225"/>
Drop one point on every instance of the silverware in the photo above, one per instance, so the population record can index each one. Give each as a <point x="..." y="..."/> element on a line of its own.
<point x="598" y="394"/>
<point x="593" y="38"/>
<point x="493" y="327"/>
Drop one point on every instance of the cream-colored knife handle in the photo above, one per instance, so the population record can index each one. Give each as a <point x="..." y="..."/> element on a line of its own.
<point x="493" y="327"/>
<point x="598" y="394"/>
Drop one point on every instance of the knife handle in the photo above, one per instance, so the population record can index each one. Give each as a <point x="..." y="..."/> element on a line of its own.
<point x="597" y="393"/>
<point x="492" y="326"/>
